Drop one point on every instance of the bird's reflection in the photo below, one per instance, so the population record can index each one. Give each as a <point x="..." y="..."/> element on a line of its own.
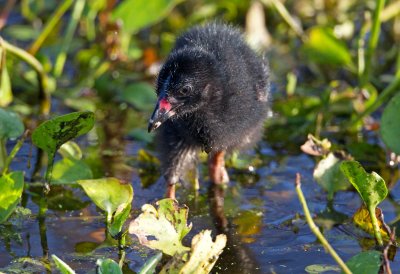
<point x="236" y="257"/>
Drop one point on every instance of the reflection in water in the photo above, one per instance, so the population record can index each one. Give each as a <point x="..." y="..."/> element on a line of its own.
<point x="236" y="257"/>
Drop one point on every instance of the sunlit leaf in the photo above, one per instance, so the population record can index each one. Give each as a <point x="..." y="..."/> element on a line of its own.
<point x="62" y="266"/>
<point x="10" y="125"/>
<point x="11" y="187"/>
<point x="323" y="47"/>
<point x="108" y="266"/>
<point x="365" y="262"/>
<point x="140" y="95"/>
<point x="69" y="170"/>
<point x="50" y="135"/>
<point x="203" y="255"/>
<point x="363" y="220"/>
<point x="370" y="186"/>
<point x="136" y="14"/>
<point x="390" y="124"/>
<point x="327" y="174"/>
<point x="71" y="150"/>
<point x="108" y="193"/>
<point x="167" y="223"/>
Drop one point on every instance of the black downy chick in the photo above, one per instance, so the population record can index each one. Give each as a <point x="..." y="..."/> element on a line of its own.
<point x="213" y="94"/>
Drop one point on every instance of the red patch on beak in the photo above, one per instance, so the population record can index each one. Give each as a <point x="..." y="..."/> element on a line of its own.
<point x="164" y="105"/>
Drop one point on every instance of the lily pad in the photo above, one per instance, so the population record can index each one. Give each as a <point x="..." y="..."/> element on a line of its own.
<point x="11" y="187"/>
<point x="365" y="262"/>
<point x="390" y="124"/>
<point x="167" y="223"/>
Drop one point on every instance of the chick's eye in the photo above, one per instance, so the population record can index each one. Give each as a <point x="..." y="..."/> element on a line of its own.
<point x="186" y="89"/>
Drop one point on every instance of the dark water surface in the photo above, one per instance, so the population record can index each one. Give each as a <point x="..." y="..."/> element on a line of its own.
<point x="262" y="218"/>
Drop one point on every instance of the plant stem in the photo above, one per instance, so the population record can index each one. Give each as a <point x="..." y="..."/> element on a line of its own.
<point x="375" y="224"/>
<point x="54" y="19"/>
<point x="293" y="24"/>
<point x="373" y="41"/>
<point x="62" y="56"/>
<point x="314" y="228"/>
<point x="14" y="152"/>
<point x="3" y="153"/>
<point x="44" y="94"/>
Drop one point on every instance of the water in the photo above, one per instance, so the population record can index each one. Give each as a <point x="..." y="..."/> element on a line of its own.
<point x="261" y="215"/>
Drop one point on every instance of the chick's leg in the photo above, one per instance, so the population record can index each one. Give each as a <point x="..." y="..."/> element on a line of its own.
<point x="177" y="158"/>
<point x="216" y="168"/>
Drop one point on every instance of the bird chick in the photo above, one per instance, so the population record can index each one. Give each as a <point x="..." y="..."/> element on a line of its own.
<point x="213" y="94"/>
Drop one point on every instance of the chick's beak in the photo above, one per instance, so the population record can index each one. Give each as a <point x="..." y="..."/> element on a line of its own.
<point x="162" y="113"/>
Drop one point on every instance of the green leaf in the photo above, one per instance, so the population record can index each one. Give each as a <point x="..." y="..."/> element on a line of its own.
<point x="323" y="47"/>
<point x="150" y="266"/>
<point x="167" y="223"/>
<point x="140" y="95"/>
<point x="390" y="124"/>
<point x="50" y="135"/>
<point x="119" y="218"/>
<point x="365" y="262"/>
<point x="62" y="266"/>
<point x="371" y="187"/>
<point x="113" y="197"/>
<point x="6" y="95"/>
<point x="136" y="14"/>
<point x="68" y="171"/>
<point x="108" y="266"/>
<point x="327" y="174"/>
<point x="108" y="193"/>
<point x="10" y="125"/>
<point x="71" y="150"/>
<point x="11" y="187"/>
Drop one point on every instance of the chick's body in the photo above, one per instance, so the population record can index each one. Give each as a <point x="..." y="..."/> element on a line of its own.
<point x="213" y="96"/>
